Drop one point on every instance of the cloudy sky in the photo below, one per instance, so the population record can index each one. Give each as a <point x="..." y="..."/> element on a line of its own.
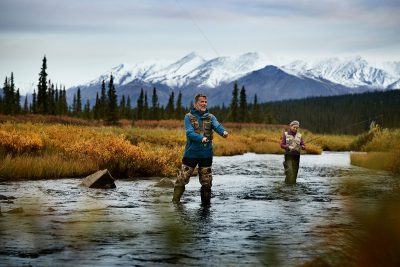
<point x="85" y="38"/>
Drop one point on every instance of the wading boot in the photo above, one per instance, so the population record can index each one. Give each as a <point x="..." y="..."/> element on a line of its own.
<point x="178" y="192"/>
<point x="205" y="193"/>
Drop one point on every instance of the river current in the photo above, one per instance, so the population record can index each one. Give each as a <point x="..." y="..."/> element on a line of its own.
<point x="254" y="218"/>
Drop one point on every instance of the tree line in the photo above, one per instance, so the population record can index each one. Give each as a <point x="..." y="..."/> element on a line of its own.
<point x="49" y="99"/>
<point x="344" y="114"/>
<point x="350" y="114"/>
<point x="241" y="110"/>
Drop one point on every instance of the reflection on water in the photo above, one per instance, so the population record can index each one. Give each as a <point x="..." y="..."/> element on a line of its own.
<point x="254" y="218"/>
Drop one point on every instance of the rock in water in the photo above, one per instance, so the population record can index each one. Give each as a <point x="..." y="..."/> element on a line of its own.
<point x="16" y="210"/>
<point x="2" y="197"/>
<point x="101" y="179"/>
<point x="165" y="182"/>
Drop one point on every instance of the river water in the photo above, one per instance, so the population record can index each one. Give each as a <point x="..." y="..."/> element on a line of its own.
<point x="254" y="218"/>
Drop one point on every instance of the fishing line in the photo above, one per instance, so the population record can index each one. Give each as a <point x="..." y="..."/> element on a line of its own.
<point x="197" y="27"/>
<point x="351" y="125"/>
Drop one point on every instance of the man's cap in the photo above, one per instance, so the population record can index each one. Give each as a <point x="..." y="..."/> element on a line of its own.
<point x="294" y="123"/>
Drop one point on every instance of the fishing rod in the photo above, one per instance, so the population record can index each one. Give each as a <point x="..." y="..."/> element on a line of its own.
<point x="351" y="125"/>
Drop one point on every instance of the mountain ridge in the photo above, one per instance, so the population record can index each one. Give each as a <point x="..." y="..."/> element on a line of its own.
<point x="297" y="79"/>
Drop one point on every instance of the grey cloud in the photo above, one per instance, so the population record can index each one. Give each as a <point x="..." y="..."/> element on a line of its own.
<point x="116" y="15"/>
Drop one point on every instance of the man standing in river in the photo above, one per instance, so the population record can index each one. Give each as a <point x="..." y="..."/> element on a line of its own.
<point x="199" y="126"/>
<point x="292" y="142"/>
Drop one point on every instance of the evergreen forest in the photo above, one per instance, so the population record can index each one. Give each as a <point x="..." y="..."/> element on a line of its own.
<point x="344" y="114"/>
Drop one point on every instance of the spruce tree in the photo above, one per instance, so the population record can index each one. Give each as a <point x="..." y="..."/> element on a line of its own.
<point x="128" y="112"/>
<point x="112" y="107"/>
<point x="17" y="106"/>
<point x="234" y="103"/>
<point x="243" y="110"/>
<point x="73" y="108"/>
<point x="14" y="97"/>
<point x="34" y="102"/>
<point x="57" y="101"/>
<point x="42" y="89"/>
<point x="64" y="104"/>
<point x="140" y="106"/>
<point x="145" y="107"/>
<point x="255" y="111"/>
<point x="170" y="109"/>
<point x="86" y="110"/>
<point x="7" y="100"/>
<point x="96" y="114"/>
<point x="50" y="99"/>
<point x="78" y="102"/>
<point x="103" y="100"/>
<point x="154" y="105"/>
<point x="122" y="107"/>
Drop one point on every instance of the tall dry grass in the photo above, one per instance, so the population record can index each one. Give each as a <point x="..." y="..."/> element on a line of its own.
<point x="383" y="150"/>
<point x="373" y="160"/>
<point x="45" y="150"/>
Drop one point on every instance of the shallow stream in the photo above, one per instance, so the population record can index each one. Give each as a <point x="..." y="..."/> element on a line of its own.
<point x="254" y="218"/>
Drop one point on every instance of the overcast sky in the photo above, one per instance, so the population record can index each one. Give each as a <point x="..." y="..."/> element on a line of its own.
<point x="85" y="38"/>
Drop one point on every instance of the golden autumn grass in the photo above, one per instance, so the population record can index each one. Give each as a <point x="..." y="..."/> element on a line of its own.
<point x="382" y="151"/>
<point x="149" y="148"/>
<point x="33" y="151"/>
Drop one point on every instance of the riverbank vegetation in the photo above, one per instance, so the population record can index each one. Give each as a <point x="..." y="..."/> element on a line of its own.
<point x="57" y="147"/>
<point x="343" y="114"/>
<point x="381" y="150"/>
<point x="48" y="149"/>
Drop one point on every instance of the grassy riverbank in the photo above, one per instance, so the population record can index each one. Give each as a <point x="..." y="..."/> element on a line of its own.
<point x="382" y="150"/>
<point x="49" y="149"/>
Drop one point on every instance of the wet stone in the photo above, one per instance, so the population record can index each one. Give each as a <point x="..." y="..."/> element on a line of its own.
<point x="3" y="197"/>
<point x="101" y="180"/>
<point x="165" y="182"/>
<point x="16" y="210"/>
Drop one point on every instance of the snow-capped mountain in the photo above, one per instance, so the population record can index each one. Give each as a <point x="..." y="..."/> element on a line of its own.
<point x="350" y="72"/>
<point x="189" y="70"/>
<point x="393" y="68"/>
<point x="395" y="85"/>
<point x="192" y="73"/>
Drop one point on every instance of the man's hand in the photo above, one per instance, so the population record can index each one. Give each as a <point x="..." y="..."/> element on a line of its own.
<point x="225" y="134"/>
<point x="204" y="140"/>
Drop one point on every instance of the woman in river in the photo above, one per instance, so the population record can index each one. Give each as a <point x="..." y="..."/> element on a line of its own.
<point x="292" y="142"/>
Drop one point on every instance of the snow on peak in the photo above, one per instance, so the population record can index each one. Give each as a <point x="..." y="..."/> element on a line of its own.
<point x="194" y="70"/>
<point x="351" y="72"/>
<point x="226" y="69"/>
<point x="175" y="73"/>
<point x="190" y="69"/>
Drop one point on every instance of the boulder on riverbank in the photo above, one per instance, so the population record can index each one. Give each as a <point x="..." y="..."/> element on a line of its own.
<point x="101" y="180"/>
